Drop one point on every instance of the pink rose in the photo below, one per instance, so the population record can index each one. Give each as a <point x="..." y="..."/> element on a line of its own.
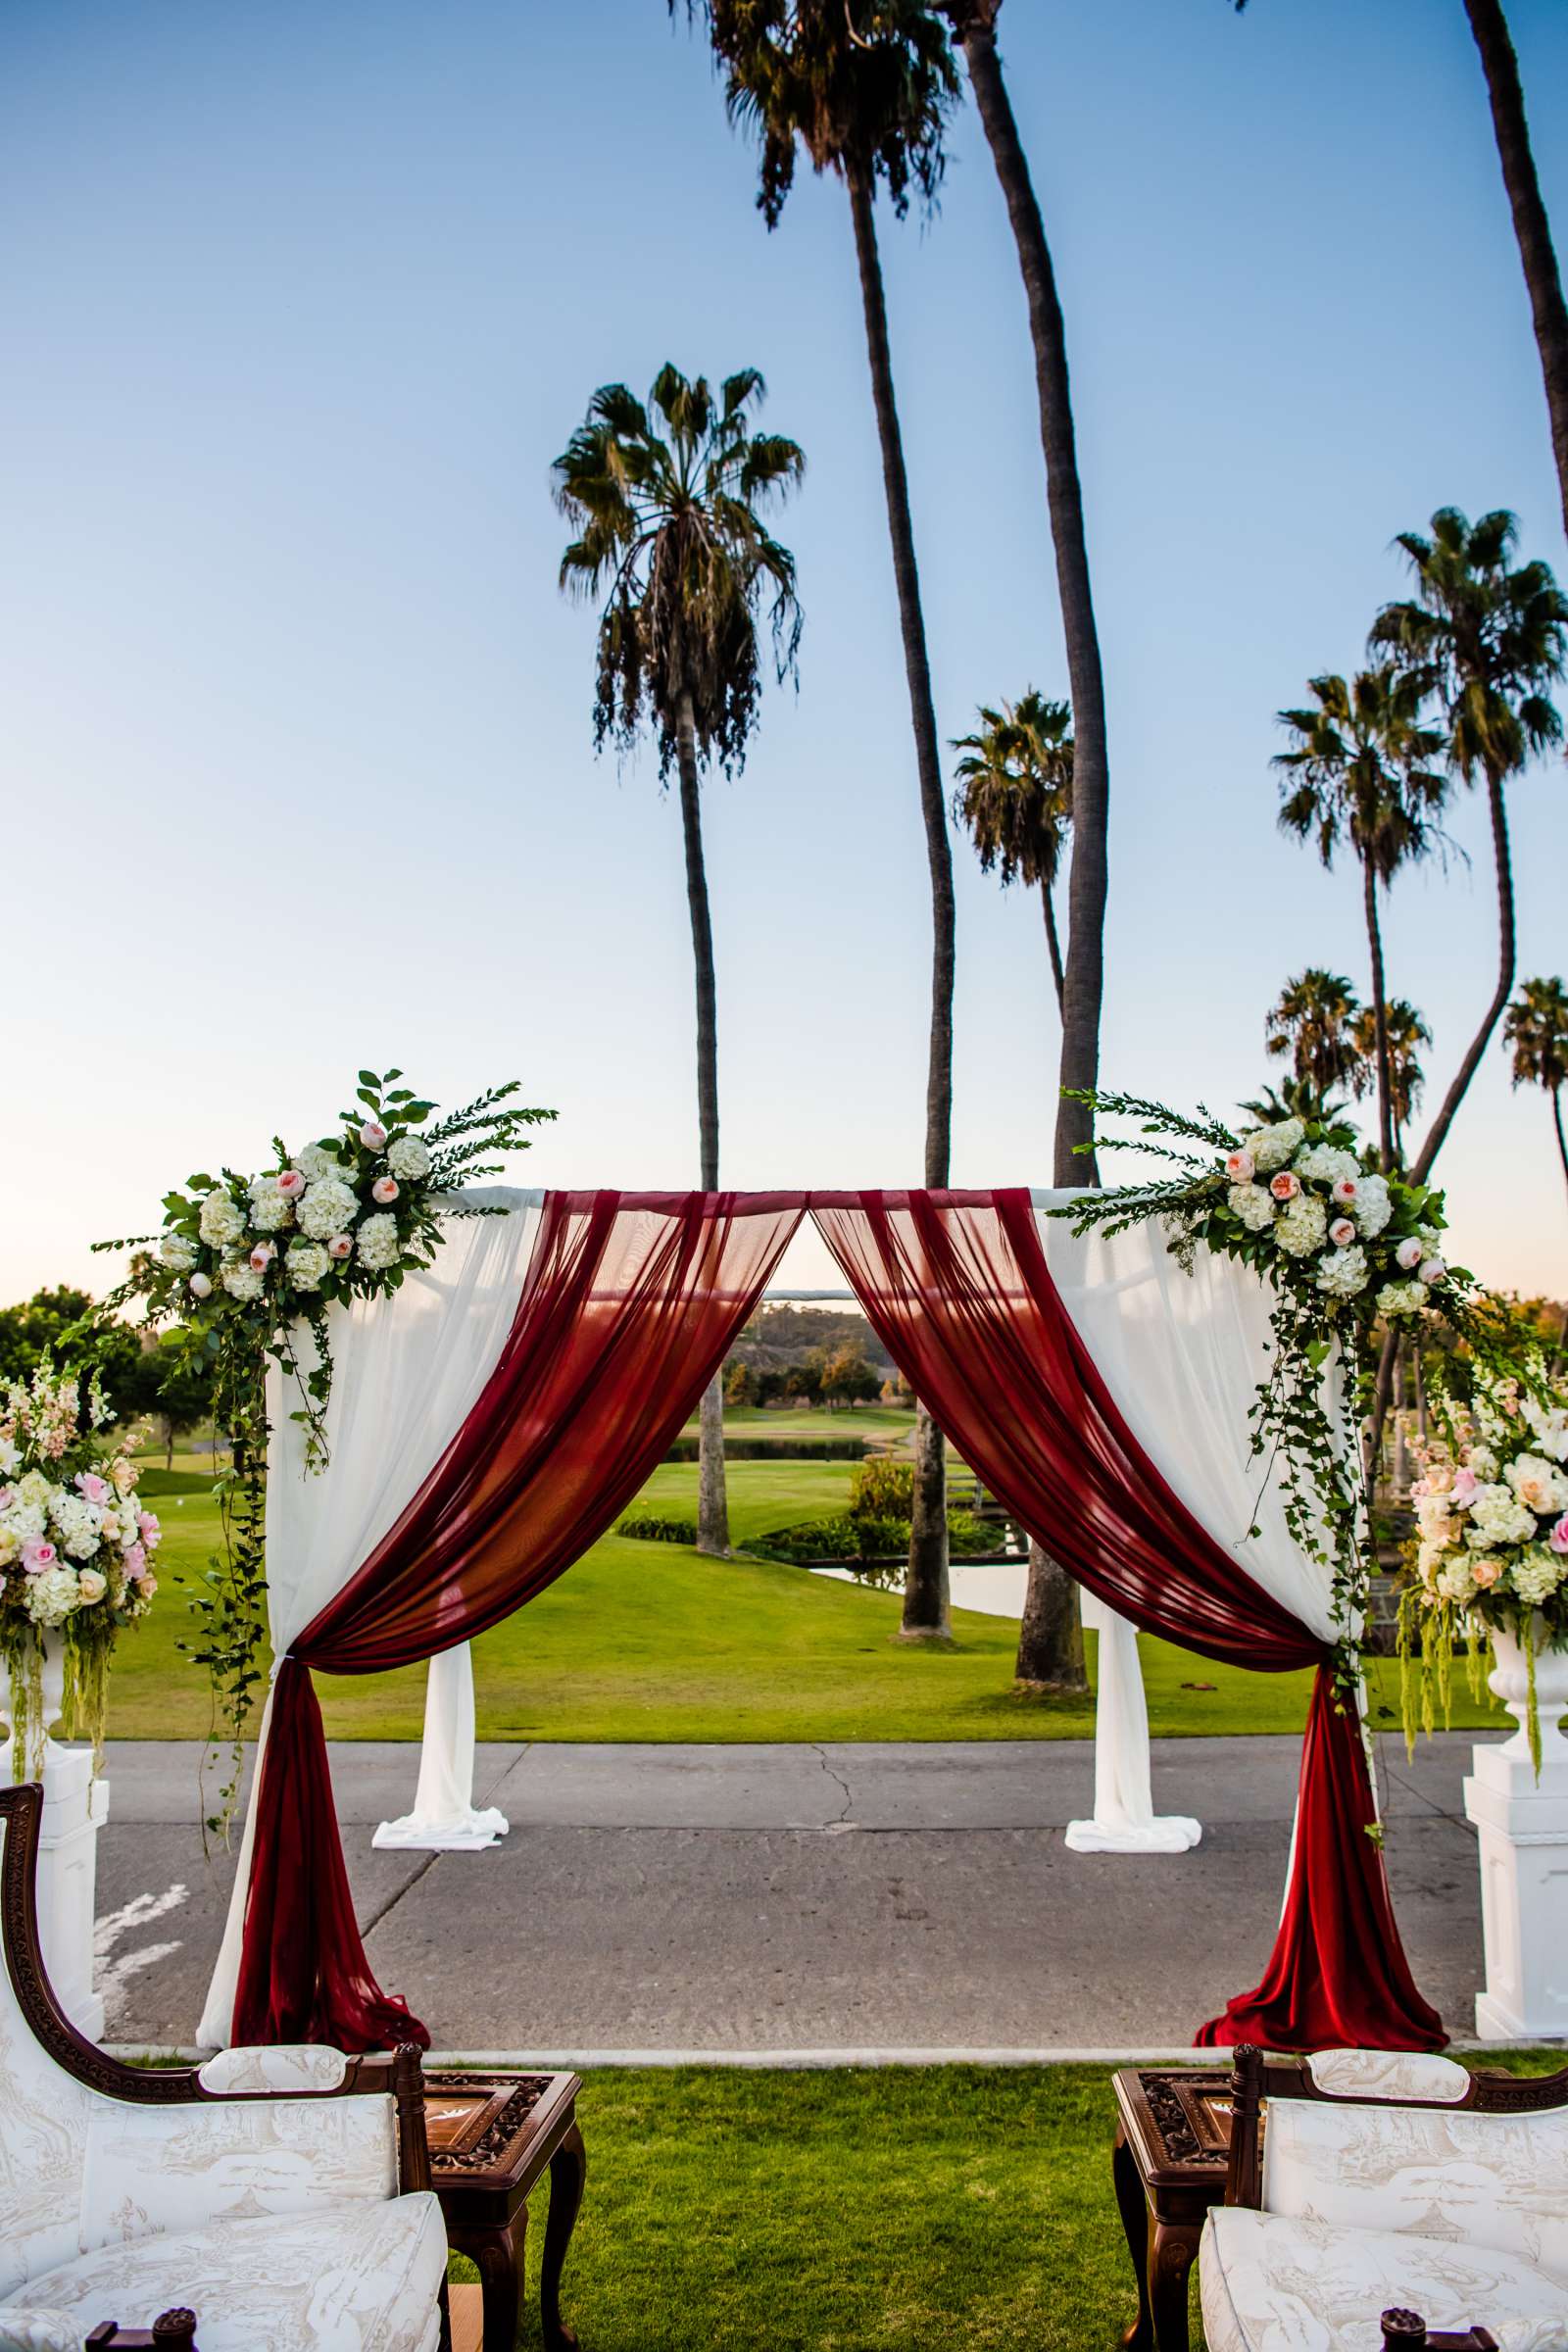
<point x="37" y="1555"/>
<point x="200" y="1286"/>
<point x="1408" y="1255"/>
<point x="93" y="1487"/>
<point x="1465" y="1483"/>
<point x="262" y="1257"/>
<point x="1433" y="1269"/>
<point x="384" y="1188"/>
<point x="1557" y="1540"/>
<point x="146" y="1583"/>
<point x="135" y="1559"/>
<point x="1240" y="1167"/>
<point x="148" y="1529"/>
<point x="1344" y="1188"/>
<point x="291" y="1183"/>
<point x="1341" y="1233"/>
<point x="372" y="1135"/>
<point x="1486" y="1568"/>
<point x="8" y="1495"/>
<point x="1284" y="1186"/>
<point x="341" y="1246"/>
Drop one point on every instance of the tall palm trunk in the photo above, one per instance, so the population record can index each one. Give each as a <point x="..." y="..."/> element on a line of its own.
<point x="1050" y="1640"/>
<point x="1086" y="875"/>
<point x="925" y="1592"/>
<point x="1556" y="1120"/>
<point x="1531" y="225"/>
<point x="1052" y="943"/>
<point x="712" y="1507"/>
<point x="1380" y="1019"/>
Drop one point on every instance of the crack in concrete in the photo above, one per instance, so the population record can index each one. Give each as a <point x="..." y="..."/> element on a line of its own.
<point x="392" y="1901"/>
<point x="838" y="1780"/>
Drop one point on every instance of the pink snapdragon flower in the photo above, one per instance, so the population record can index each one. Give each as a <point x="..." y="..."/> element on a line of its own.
<point x="93" y="1488"/>
<point x="1408" y="1255"/>
<point x="1345" y="1188"/>
<point x="372" y="1135"/>
<point x="385" y="1189"/>
<point x="291" y="1183"/>
<point x="1284" y="1186"/>
<point x="37" y="1555"/>
<point x="1240" y="1167"/>
<point x="1341" y="1233"/>
<point x="1557" y="1540"/>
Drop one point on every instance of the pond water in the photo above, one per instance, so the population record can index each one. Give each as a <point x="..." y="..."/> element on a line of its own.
<point x="994" y="1588"/>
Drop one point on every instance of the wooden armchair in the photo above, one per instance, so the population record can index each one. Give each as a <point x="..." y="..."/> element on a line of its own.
<point x="1362" y="2182"/>
<point x="286" y="2189"/>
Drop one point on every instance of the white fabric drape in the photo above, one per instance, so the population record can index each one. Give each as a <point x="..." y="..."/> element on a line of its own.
<point x="406" y="1372"/>
<point x="1181" y="1355"/>
<point x="444" y="1819"/>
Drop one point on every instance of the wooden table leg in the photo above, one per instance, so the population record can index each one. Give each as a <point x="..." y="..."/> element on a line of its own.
<point x="1139" y="2337"/>
<point x="568" y="2170"/>
<point x="498" y="2255"/>
<point x="1172" y="2251"/>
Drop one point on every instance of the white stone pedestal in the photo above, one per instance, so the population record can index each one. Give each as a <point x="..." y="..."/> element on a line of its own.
<point x="74" y="1808"/>
<point x="1521" y="1825"/>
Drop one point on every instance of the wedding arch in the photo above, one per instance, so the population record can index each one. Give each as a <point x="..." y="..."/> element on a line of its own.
<point x="489" y="1422"/>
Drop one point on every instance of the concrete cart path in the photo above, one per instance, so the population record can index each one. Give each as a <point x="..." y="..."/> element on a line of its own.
<point x="841" y="1895"/>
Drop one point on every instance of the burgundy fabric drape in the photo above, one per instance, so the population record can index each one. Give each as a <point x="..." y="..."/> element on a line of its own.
<point x="957" y="1287"/>
<point x="630" y="1305"/>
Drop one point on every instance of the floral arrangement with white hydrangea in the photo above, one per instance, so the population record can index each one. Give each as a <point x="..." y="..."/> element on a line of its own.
<point x="245" y="1259"/>
<point x="75" y="1551"/>
<point x="1345" y="1250"/>
<point x="1490" y="1553"/>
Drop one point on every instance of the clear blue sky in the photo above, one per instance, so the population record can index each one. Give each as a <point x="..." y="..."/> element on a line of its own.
<point x="301" y="297"/>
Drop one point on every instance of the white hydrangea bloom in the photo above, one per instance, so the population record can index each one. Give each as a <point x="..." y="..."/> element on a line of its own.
<point x="377" y="1243"/>
<point x="1302" y="1227"/>
<point x="408" y="1159"/>
<point x="53" y="1595"/>
<point x="1482" y="1461"/>
<point x="242" y="1282"/>
<point x="9" y="1544"/>
<point x="326" y="1209"/>
<point x="222" y="1222"/>
<point x="1537" y="1576"/>
<point x="306" y="1262"/>
<point x="1272" y="1147"/>
<point x="270" y="1209"/>
<point x="26" y="1520"/>
<point x="35" y="1487"/>
<point x="1343" y="1272"/>
<point x="1254" y="1203"/>
<point x="1325" y="1163"/>
<point x="177" y="1252"/>
<point x="1497" y="1518"/>
<point x="1372" y="1207"/>
<point x="1402" y="1298"/>
<point x="317" y="1162"/>
<point x="1457" y="1582"/>
<point x="79" y="1525"/>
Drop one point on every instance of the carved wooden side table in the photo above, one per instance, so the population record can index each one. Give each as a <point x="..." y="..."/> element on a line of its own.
<point x="1173" y="2136"/>
<point x="492" y="2136"/>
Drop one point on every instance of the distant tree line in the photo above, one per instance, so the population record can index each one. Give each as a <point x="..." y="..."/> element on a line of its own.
<point x="145" y="1378"/>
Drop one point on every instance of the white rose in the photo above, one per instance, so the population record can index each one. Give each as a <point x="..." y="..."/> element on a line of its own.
<point x="1372" y="1207"/>
<point x="327" y="1206"/>
<point x="1409" y="1253"/>
<point x="377" y="1243"/>
<point x="1302" y="1226"/>
<point x="177" y="1252"/>
<point x="1432" y="1270"/>
<point x="1253" y="1204"/>
<point x="307" y="1262"/>
<point x="1539" y="1484"/>
<point x="1343" y="1272"/>
<point x="408" y="1159"/>
<point x="1272" y="1147"/>
<point x="91" y="1586"/>
<point x="222" y="1222"/>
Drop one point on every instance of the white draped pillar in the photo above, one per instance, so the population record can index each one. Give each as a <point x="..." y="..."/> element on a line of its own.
<point x="1124" y="1819"/>
<point x="444" y="1819"/>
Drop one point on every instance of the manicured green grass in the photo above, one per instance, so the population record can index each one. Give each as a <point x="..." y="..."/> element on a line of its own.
<point x="649" y="1642"/>
<point x="815" y="1421"/>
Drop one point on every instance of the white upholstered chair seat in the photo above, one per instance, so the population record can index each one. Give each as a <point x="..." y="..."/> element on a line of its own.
<point x="351" y="2274"/>
<point x="1281" y="2282"/>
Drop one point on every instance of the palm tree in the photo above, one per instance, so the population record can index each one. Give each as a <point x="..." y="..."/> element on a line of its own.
<point x="1530" y="226"/>
<point x="868" y="105"/>
<point x="667" y="501"/>
<point x="1014" y="797"/>
<point x="1405" y="1032"/>
<point x="1355" y="770"/>
<point x="1537" y="1030"/>
<point x="1293" y="1098"/>
<point x="1311" y="1023"/>
<point x="1485" y="640"/>
<point x="975" y="24"/>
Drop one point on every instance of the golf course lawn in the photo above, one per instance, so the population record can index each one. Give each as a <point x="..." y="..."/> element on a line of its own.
<point x="649" y="1642"/>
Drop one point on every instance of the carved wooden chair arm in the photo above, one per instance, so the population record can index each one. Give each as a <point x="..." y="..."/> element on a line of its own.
<point x="171" y="2331"/>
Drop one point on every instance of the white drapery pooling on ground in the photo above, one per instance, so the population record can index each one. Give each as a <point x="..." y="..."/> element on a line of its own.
<point x="444" y="1819"/>
<point x="406" y="1372"/>
<point x="1181" y="1355"/>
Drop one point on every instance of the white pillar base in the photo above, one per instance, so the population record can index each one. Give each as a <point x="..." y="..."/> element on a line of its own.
<point x="74" y="1809"/>
<point x="1124" y="1819"/>
<point x="1161" y="1833"/>
<point x="1522" y="1829"/>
